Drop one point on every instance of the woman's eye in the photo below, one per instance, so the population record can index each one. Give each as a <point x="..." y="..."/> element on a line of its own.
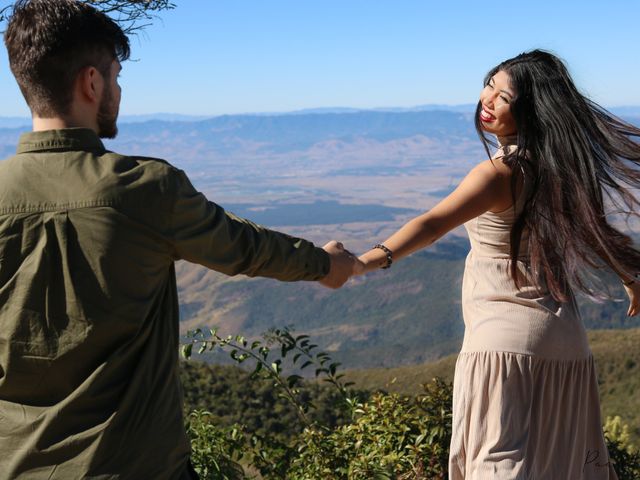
<point x="506" y="100"/>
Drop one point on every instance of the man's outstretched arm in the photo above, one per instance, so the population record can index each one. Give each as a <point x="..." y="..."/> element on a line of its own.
<point x="203" y="232"/>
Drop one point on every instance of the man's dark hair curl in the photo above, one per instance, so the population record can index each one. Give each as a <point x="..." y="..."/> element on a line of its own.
<point x="50" y="42"/>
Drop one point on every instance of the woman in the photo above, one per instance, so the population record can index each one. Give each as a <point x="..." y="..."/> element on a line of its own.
<point x="525" y="402"/>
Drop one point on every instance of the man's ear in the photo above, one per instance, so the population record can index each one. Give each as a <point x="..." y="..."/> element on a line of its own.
<point x="89" y="85"/>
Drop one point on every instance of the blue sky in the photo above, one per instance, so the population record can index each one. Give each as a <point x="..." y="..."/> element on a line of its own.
<point x="210" y="57"/>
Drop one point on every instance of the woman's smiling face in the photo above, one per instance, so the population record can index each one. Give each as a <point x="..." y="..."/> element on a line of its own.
<point x="495" y="98"/>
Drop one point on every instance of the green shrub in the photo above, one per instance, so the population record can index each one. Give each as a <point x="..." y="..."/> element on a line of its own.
<point x="214" y="450"/>
<point x="622" y="453"/>
<point x="391" y="437"/>
<point x="385" y="437"/>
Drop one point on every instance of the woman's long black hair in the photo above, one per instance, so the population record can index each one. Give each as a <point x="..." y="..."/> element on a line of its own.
<point x="581" y="161"/>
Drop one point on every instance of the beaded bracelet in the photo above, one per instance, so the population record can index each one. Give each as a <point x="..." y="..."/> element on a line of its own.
<point x="388" y="252"/>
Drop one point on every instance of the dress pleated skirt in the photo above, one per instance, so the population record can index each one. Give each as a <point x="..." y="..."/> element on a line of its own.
<point x="519" y="417"/>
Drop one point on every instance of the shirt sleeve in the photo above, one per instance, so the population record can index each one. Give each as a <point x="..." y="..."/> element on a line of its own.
<point x="203" y="232"/>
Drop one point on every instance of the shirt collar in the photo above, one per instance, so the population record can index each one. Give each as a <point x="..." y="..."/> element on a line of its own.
<point x="83" y="139"/>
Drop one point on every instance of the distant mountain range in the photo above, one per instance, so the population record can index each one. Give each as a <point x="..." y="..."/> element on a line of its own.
<point x="299" y="144"/>
<point x="304" y="128"/>
<point x="231" y="146"/>
<point x="14" y="122"/>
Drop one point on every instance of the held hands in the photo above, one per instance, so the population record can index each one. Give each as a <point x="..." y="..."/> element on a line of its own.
<point x="633" y="292"/>
<point x="343" y="265"/>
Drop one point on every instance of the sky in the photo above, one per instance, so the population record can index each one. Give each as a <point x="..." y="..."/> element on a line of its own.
<point x="213" y="57"/>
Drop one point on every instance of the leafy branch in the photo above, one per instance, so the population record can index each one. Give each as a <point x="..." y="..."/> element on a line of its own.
<point x="268" y="362"/>
<point x="302" y="348"/>
<point x="132" y="15"/>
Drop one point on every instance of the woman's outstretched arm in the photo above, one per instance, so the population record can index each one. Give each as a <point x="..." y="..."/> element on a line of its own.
<point x="486" y="187"/>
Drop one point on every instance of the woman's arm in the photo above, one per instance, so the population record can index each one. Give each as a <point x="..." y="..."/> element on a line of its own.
<point x="633" y="292"/>
<point x="486" y="187"/>
<point x="631" y="284"/>
<point x="632" y="289"/>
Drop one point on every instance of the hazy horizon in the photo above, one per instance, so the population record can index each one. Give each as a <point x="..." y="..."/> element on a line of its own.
<point x="632" y="110"/>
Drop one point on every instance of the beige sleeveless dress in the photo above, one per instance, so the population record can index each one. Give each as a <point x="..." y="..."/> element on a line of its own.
<point x="525" y="400"/>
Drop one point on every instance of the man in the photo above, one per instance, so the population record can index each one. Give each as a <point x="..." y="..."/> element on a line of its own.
<point x="88" y="239"/>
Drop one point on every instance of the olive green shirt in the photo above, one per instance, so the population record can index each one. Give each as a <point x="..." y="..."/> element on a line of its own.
<point x="89" y="337"/>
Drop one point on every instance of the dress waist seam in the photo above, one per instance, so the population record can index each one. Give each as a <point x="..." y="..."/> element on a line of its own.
<point x="527" y="355"/>
<point x="491" y="257"/>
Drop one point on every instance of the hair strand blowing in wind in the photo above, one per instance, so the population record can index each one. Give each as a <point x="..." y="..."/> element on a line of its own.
<point x="582" y="163"/>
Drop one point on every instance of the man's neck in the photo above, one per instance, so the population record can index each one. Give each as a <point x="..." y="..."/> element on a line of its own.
<point x="56" y="123"/>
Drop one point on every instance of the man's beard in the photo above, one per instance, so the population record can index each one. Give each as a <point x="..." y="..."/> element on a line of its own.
<point x="107" y="116"/>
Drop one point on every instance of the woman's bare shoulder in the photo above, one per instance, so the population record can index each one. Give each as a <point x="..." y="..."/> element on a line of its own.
<point x="497" y="176"/>
<point x="494" y="167"/>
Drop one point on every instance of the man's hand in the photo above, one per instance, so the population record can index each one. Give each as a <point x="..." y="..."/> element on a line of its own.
<point x="343" y="264"/>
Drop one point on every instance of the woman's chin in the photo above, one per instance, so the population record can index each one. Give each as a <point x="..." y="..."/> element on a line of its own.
<point x="488" y="129"/>
<point x="497" y="131"/>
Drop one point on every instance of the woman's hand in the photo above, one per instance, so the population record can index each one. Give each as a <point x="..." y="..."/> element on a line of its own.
<point x="359" y="266"/>
<point x="633" y="292"/>
<point x="342" y="265"/>
<point x="370" y="261"/>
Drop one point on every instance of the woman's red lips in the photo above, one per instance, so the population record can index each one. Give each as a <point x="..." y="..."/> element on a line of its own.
<point x="486" y="116"/>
